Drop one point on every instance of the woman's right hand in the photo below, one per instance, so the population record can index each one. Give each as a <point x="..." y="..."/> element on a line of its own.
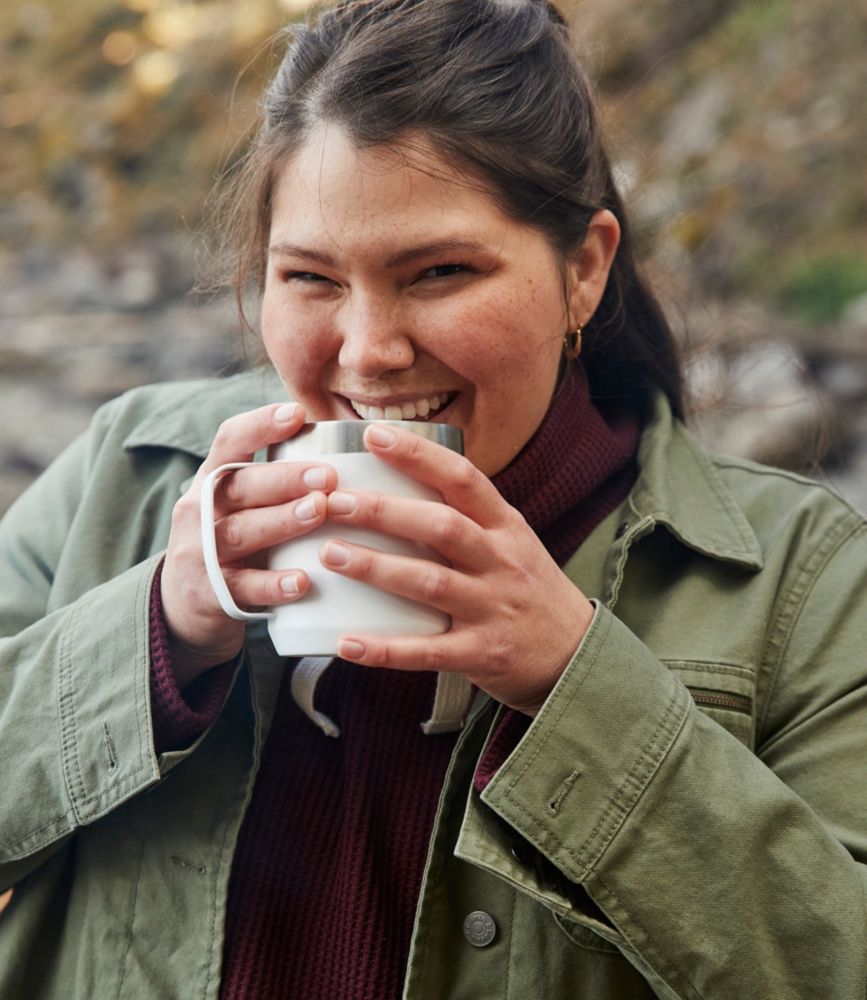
<point x="254" y="508"/>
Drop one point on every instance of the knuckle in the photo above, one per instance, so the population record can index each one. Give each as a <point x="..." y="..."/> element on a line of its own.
<point x="377" y="505"/>
<point x="433" y="658"/>
<point x="413" y="445"/>
<point x="362" y="562"/>
<point x="466" y="474"/>
<point x="498" y="653"/>
<point x="288" y="478"/>
<point x="233" y="487"/>
<point x="230" y="531"/>
<point x="436" y="584"/>
<point x="225" y="434"/>
<point x="448" y="526"/>
<point x="379" y="654"/>
<point x="183" y="510"/>
<point x="516" y="519"/>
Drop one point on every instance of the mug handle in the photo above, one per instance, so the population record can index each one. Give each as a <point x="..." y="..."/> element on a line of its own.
<point x="209" y="548"/>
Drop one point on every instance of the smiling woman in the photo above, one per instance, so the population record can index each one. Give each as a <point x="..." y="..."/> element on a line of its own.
<point x="425" y="294"/>
<point x="641" y="772"/>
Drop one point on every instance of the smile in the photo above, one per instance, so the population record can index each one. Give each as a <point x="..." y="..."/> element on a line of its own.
<point x="422" y="408"/>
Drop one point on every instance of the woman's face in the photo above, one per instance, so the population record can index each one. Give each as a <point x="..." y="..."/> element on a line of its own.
<point x="394" y="292"/>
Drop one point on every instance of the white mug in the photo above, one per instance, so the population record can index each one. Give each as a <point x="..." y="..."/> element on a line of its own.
<point x="335" y="605"/>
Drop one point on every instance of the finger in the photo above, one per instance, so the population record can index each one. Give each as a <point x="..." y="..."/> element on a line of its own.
<point x="452" y="534"/>
<point x="419" y="580"/>
<point x="268" y="484"/>
<point x="246" y="532"/>
<point x="240" y="437"/>
<point x="461" y="484"/>
<point x="257" y="588"/>
<point x="449" y="652"/>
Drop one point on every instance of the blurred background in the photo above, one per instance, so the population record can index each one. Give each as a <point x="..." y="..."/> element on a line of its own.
<point x="738" y="130"/>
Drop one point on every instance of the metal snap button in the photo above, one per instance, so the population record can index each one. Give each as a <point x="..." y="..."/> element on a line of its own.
<point x="621" y="529"/>
<point x="480" y="929"/>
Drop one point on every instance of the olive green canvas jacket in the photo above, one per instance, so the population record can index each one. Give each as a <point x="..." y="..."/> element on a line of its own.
<point x="686" y="817"/>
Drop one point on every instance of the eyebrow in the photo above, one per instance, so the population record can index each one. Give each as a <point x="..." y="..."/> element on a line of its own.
<point x="393" y="260"/>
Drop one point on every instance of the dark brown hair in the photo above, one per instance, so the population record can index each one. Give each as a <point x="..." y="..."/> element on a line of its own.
<point x="496" y="88"/>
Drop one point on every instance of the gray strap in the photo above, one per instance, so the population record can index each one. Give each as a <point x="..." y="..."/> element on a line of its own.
<point x="453" y="696"/>
<point x="452" y="701"/>
<point x="305" y="677"/>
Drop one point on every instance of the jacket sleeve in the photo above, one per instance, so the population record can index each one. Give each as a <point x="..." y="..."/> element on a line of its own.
<point x="718" y="872"/>
<point x="76" y="732"/>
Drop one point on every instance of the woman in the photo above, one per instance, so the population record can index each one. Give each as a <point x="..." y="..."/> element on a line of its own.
<point x="654" y="790"/>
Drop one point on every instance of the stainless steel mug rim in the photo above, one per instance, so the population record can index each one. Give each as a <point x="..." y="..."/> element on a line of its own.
<point x="337" y="437"/>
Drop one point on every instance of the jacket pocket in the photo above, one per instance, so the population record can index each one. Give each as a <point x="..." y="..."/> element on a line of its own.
<point x="723" y="691"/>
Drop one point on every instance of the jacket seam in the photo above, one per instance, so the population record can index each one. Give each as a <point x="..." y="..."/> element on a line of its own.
<point x="664" y="962"/>
<point x="645" y="758"/>
<point x="508" y="963"/>
<point x="728" y="462"/>
<point x="216" y="908"/>
<point x="141" y="630"/>
<point x="129" y="926"/>
<point x="748" y="673"/>
<point x="728" y="502"/>
<point x="66" y="714"/>
<point x="792" y="606"/>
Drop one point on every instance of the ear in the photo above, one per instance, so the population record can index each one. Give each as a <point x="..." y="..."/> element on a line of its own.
<point x="589" y="268"/>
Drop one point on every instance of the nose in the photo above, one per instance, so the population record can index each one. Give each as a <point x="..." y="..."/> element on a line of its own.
<point x="375" y="339"/>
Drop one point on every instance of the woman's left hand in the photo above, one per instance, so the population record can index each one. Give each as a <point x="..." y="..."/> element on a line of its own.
<point x="516" y="619"/>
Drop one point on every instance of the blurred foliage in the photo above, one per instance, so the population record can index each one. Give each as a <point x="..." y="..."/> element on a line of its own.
<point x="115" y="116"/>
<point x="742" y="137"/>
<point x="738" y="127"/>
<point x="819" y="288"/>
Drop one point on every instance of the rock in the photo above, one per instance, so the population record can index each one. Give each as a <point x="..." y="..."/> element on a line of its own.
<point x="759" y="405"/>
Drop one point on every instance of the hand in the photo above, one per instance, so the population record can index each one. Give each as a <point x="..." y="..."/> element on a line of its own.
<point x="255" y="508"/>
<point x="516" y="619"/>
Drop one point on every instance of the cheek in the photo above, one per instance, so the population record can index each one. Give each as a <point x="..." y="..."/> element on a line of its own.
<point x="516" y="336"/>
<point x="296" y="344"/>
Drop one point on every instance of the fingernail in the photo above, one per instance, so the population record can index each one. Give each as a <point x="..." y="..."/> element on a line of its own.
<point x="289" y="584"/>
<point x="342" y="503"/>
<point x="336" y="554"/>
<point x="350" y="649"/>
<point x="306" y="510"/>
<point x="314" y="479"/>
<point x="285" y="413"/>
<point x="383" y="436"/>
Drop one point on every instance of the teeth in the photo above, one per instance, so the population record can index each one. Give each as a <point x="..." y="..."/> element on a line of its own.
<point x="405" y="411"/>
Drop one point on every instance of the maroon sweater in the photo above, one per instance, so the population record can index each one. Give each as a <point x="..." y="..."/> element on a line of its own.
<point x="328" y="866"/>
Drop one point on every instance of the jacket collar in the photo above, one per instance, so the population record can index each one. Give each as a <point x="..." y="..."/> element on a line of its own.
<point x="190" y="424"/>
<point x="680" y="487"/>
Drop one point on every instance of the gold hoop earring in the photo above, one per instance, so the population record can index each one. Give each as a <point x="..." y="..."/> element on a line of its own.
<point x="572" y="343"/>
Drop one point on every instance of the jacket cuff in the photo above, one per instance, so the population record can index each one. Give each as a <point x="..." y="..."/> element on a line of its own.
<point x="180" y="717"/>
<point x="592" y="750"/>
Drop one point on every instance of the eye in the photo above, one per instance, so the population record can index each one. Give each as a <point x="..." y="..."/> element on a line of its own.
<point x="445" y="270"/>
<point x="304" y="276"/>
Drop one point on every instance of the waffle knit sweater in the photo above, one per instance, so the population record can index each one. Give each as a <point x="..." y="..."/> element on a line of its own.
<point x="330" y="857"/>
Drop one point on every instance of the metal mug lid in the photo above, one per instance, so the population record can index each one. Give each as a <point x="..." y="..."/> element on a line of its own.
<point x="337" y="437"/>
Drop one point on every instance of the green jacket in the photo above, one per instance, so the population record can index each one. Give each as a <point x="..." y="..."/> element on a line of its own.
<point x="686" y="817"/>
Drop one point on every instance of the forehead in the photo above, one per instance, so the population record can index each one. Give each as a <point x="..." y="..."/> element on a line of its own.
<point x="335" y="191"/>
